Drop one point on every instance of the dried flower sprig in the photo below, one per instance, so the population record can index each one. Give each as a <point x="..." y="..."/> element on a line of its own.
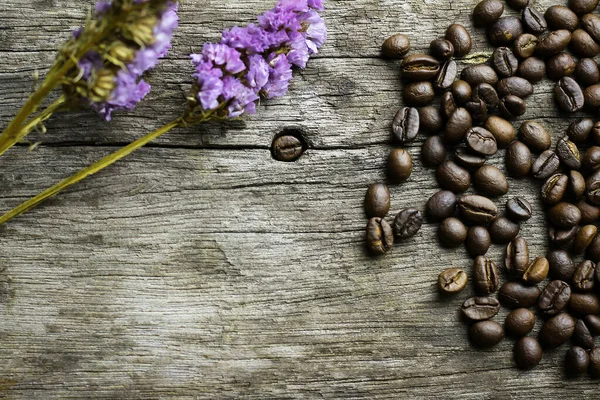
<point x="230" y="76"/>
<point x="102" y="64"/>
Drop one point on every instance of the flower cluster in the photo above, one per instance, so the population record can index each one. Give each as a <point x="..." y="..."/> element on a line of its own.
<point x="256" y="60"/>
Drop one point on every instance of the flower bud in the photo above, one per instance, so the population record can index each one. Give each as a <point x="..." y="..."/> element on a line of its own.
<point x="103" y="85"/>
<point x="121" y="52"/>
<point x="142" y="31"/>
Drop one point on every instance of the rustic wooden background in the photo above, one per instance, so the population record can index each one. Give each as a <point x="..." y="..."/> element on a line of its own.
<point x="200" y="268"/>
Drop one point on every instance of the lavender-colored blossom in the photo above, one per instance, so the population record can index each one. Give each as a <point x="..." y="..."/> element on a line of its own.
<point x="223" y="55"/>
<point x="280" y="75"/>
<point x="127" y="93"/>
<point x="316" y="33"/>
<point x="258" y="72"/>
<point x="298" y="54"/>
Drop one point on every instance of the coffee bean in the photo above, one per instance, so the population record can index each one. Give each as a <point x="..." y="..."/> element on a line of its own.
<point x="440" y="206"/>
<point x="487" y="12"/>
<point x="503" y="131"/>
<point x="452" y="280"/>
<point x="591" y="24"/>
<point x="561" y="237"/>
<point x="407" y="223"/>
<point x="591" y="96"/>
<point x="433" y="152"/>
<point x="479" y="73"/>
<point x="576" y="361"/>
<point x="594" y="365"/>
<point x="561" y="17"/>
<point x="583" y="45"/>
<point x="583" y="278"/>
<point x="553" y="43"/>
<point x="568" y="153"/>
<point x="460" y="39"/>
<point x="596" y="132"/>
<point x="554" y="189"/>
<point x="560" y="65"/>
<point x="431" y="120"/>
<point x="537" y="271"/>
<point x="452" y="232"/>
<point x="576" y="184"/>
<point x="579" y="130"/>
<point x="533" y="69"/>
<point x="525" y="45"/>
<point x="582" y="336"/>
<point x="487" y="93"/>
<point x="518" y="159"/>
<point x="593" y="324"/>
<point x="504" y="31"/>
<point x="557" y="330"/>
<point x="441" y="49"/>
<point x="380" y="237"/>
<point x="584" y="304"/>
<point x="420" y="67"/>
<point x="503" y="230"/>
<point x="448" y="104"/>
<point x="515" y="86"/>
<point x="505" y="62"/>
<point x="518" y="209"/>
<point x="555" y="297"/>
<point x="396" y="46"/>
<point x="535" y="136"/>
<point x="518" y="4"/>
<point x="519" y="322"/>
<point x="592" y="188"/>
<point x="589" y="212"/>
<point x="461" y="91"/>
<point x="477" y="109"/>
<point x="459" y="123"/>
<point x="587" y="72"/>
<point x="564" y="215"/>
<point x="477" y="209"/>
<point x="377" y="200"/>
<point x="593" y="250"/>
<point x="468" y="160"/>
<point x="481" y="141"/>
<point x="512" y="106"/>
<point x="490" y="181"/>
<point x="405" y="126"/>
<point x="418" y="93"/>
<point x="533" y="20"/>
<point x="583" y="239"/>
<point x="581" y="7"/>
<point x="561" y="265"/>
<point x="485" y="274"/>
<point x="399" y="165"/>
<point x="287" y="148"/>
<point x="545" y="165"/>
<point x="517" y="295"/>
<point x="516" y="259"/>
<point x="569" y="95"/>
<point x="453" y="177"/>
<point x="480" y="308"/>
<point x="485" y="334"/>
<point x="590" y="161"/>
<point x="527" y="352"/>
<point x="478" y="241"/>
<point x="447" y="75"/>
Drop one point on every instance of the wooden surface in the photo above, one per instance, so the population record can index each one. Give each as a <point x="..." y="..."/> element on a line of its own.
<point x="200" y="268"/>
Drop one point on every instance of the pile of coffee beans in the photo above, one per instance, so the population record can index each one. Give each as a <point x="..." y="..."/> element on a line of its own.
<point x="471" y="123"/>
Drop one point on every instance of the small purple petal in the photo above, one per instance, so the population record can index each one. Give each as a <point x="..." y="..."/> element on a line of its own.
<point x="298" y="55"/>
<point x="258" y="72"/>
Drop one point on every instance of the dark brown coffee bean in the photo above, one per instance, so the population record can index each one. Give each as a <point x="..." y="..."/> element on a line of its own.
<point x="561" y="237"/>
<point x="481" y="141"/>
<point x="459" y="123"/>
<point x="579" y="130"/>
<point x="503" y="230"/>
<point x="461" y="91"/>
<point x="582" y="336"/>
<point x="533" y="20"/>
<point x="537" y="271"/>
<point x="583" y="278"/>
<point x="576" y="184"/>
<point x="561" y="265"/>
<point x="452" y="280"/>
<point x="441" y="49"/>
<point x="287" y="148"/>
<point x="480" y="308"/>
<point x="377" y="200"/>
<point x="545" y="165"/>
<point x="468" y="160"/>
<point x="407" y="223"/>
<point x="418" y="93"/>
<point x="505" y="62"/>
<point x="596" y="132"/>
<point x="460" y="39"/>
<point x="380" y="237"/>
<point x="592" y="188"/>
<point x="485" y="334"/>
<point x="452" y="232"/>
<point x="476" y="209"/>
<point x="448" y="104"/>
<point x="564" y="215"/>
<point x="555" y="297"/>
<point x="477" y="109"/>
<point x="519" y="322"/>
<point x="533" y="69"/>
<point x="591" y="96"/>
<point x="561" y="17"/>
<point x="568" y="153"/>
<point x="581" y="7"/>
<point x="399" y="165"/>
<point x="478" y="241"/>
<point x="583" y="45"/>
<point x="420" y="67"/>
<point x="447" y="75"/>
<point x="512" y="106"/>
<point x="584" y="304"/>
<point x="569" y="95"/>
<point x="590" y="161"/>
<point x="525" y="45"/>
<point x="440" y="206"/>
<point x="479" y="73"/>
<point x="453" y="177"/>
<point x="554" y="189"/>
<point x="593" y="324"/>
<point x="433" y="152"/>
<point x="557" y="330"/>
<point x="490" y="181"/>
<point x="487" y="12"/>
<point x="431" y="120"/>
<point x="485" y="274"/>
<point x="535" y="136"/>
<point x="587" y="72"/>
<point x="589" y="212"/>
<point x="583" y="239"/>
<point x="518" y="4"/>
<point x="518" y="209"/>
<point x="396" y="46"/>
<point x="576" y="361"/>
<point x="516" y="259"/>
<point x="501" y="129"/>
<point x="504" y="31"/>
<point x="560" y="65"/>
<point x="594" y="365"/>
<point x="518" y="159"/>
<point x="515" y="86"/>
<point x="553" y="43"/>
<point x="591" y="24"/>
<point x="405" y="126"/>
<point x="487" y="93"/>
<point x="528" y="353"/>
<point x="517" y="295"/>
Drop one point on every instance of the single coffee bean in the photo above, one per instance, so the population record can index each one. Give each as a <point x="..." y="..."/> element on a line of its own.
<point x="460" y="39"/>
<point x="503" y="230"/>
<point x="420" y="67"/>
<point x="452" y="232"/>
<point x="583" y="278"/>
<point x="515" y="86"/>
<point x="287" y="148"/>
<point x="480" y="308"/>
<point x="505" y="62"/>
<point x="561" y="265"/>
<point x="448" y="104"/>
<point x="589" y="212"/>
<point x="582" y="336"/>
<point x="452" y="280"/>
<point x="592" y="188"/>
<point x="478" y="241"/>
<point x="517" y="4"/>
<point x="569" y="95"/>
<point x="512" y="106"/>
<point x="583" y="239"/>
<point x="431" y="120"/>
<point x="447" y="75"/>
<point x="485" y="334"/>
<point x="533" y="69"/>
<point x="418" y="93"/>
<point x="553" y="43"/>
<point x="441" y="49"/>
<point x="596" y="132"/>
<point x="477" y="109"/>
<point x="517" y="295"/>
<point x="590" y="161"/>
<point x="468" y="160"/>
<point x="581" y="7"/>
<point x="461" y="91"/>
<point x="564" y="215"/>
<point x="476" y="209"/>
<point x="576" y="184"/>
<point x="377" y="200"/>
<point x="528" y="352"/>
<point x="433" y="152"/>
<point x="479" y="73"/>
<point x="525" y="45"/>
<point x="518" y="159"/>
<point x="560" y="65"/>
<point x="535" y="136"/>
<point x="487" y="12"/>
<point x="591" y="97"/>
<point x="579" y="130"/>
<point x="584" y="304"/>
<point x="380" y="237"/>
<point x="490" y="181"/>
<point x="519" y="322"/>
<point x="481" y="141"/>
<point x="453" y="177"/>
<point x="407" y="223"/>
<point x="561" y="17"/>
<point x="593" y="324"/>
<point x="554" y="189"/>
<point x="594" y="365"/>
<point x="533" y="20"/>
<point x="518" y="209"/>
<point x="459" y="123"/>
<point x="405" y="126"/>
<point x="583" y="45"/>
<point x="561" y="237"/>
<point x="537" y="271"/>
<point x="591" y="23"/>
<point x="555" y="297"/>
<point x="587" y="72"/>
<point x="504" y="31"/>
<point x="568" y="153"/>
<point x="396" y="46"/>
<point x="440" y="206"/>
<point x="516" y="259"/>
<point x="545" y="165"/>
<point x="485" y="275"/>
<point x="576" y="361"/>
<point x="399" y="165"/>
<point x="503" y="131"/>
<point x="487" y="93"/>
<point x="557" y="330"/>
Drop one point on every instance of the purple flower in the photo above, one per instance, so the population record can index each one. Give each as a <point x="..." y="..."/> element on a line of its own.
<point x="258" y="72"/>
<point x="316" y="33"/>
<point x="102" y="7"/>
<point x="298" y="54"/>
<point x="223" y="55"/>
<point x="127" y="93"/>
<point x="280" y="75"/>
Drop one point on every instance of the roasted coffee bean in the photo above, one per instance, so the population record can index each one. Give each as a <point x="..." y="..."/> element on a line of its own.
<point x="441" y="49"/>
<point x="396" y="46"/>
<point x="418" y="93"/>
<point x="533" y="69"/>
<point x="480" y="308"/>
<point x="516" y="295"/>
<point x="503" y="230"/>
<point x="405" y="126"/>
<point x="582" y="336"/>
<point x="440" y="206"/>
<point x="555" y="297"/>
<point x="448" y="104"/>
<point x="452" y="232"/>
<point x="525" y="45"/>
<point x="583" y="278"/>
<point x="554" y="189"/>
<point x="579" y="130"/>
<point x="377" y="200"/>
<point x="459" y="123"/>
<point x="561" y="17"/>
<point x="517" y="4"/>
<point x="461" y="91"/>
<point x="516" y="259"/>
<point x="380" y="237"/>
<point x="447" y="75"/>
<point x="485" y="334"/>
<point x="518" y="159"/>
<point x="476" y="209"/>
<point x="569" y="95"/>
<point x="481" y="141"/>
<point x="561" y="265"/>
<point x="593" y="324"/>
<point x="433" y="152"/>
<point x="420" y="67"/>
<point x="504" y="31"/>
<point x="576" y="361"/>
<point x="503" y="131"/>
<point x="587" y="72"/>
<point x="592" y="188"/>
<point x="512" y="106"/>
<point x="583" y="239"/>
<point x="591" y="96"/>
<point x="468" y="160"/>
<point x="505" y="62"/>
<point x="528" y="352"/>
<point x="590" y="161"/>
<point x="576" y="184"/>
<point x="453" y="177"/>
<point x="591" y="23"/>
<point x="594" y="365"/>
<point x="460" y="39"/>
<point x="478" y="241"/>
<point x="519" y="322"/>
<point x="400" y="165"/>
<point x="518" y="209"/>
<point x="557" y="330"/>
<point x="535" y="136"/>
<point x="487" y="12"/>
<point x="560" y="65"/>
<point x="564" y="215"/>
<point x="487" y="93"/>
<point x="553" y="43"/>
<point x="477" y="109"/>
<point x="561" y="237"/>
<point x="581" y="7"/>
<point x="583" y="45"/>
<point x="287" y="148"/>
<point x="490" y="181"/>
<point x="407" y="223"/>
<point x="584" y="304"/>
<point x="485" y="273"/>
<point x="589" y="212"/>
<point x="568" y="153"/>
<point x="431" y="120"/>
<point x="596" y="132"/>
<point x="545" y="165"/>
<point x="452" y="280"/>
<point x="479" y="73"/>
<point x="533" y="20"/>
<point x="537" y="271"/>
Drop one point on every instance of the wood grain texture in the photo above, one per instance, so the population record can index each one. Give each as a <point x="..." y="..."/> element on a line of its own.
<point x="200" y="268"/>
